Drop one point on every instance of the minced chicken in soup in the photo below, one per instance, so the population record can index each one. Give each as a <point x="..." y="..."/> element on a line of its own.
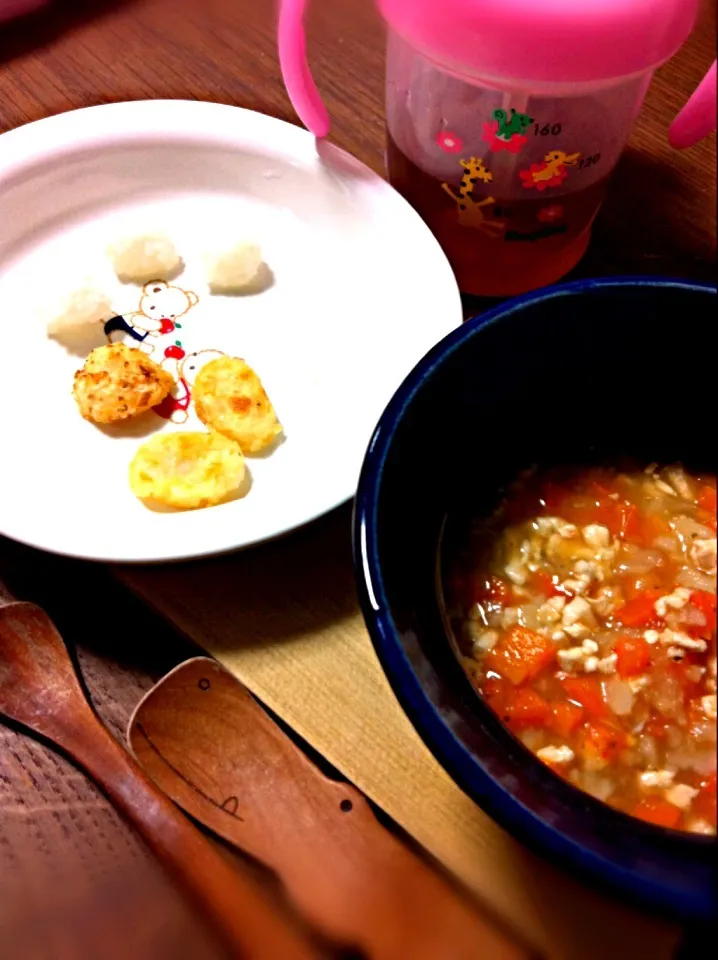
<point x="586" y="613"/>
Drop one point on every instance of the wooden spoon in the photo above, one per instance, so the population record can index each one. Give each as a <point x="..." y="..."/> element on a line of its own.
<point x="209" y="745"/>
<point x="40" y="690"/>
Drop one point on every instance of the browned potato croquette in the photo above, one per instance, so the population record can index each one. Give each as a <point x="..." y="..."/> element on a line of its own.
<point x="119" y="382"/>
<point x="187" y="470"/>
<point x="229" y="398"/>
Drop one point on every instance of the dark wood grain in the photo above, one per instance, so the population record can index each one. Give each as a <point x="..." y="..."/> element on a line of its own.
<point x="40" y="689"/>
<point x="74" y="880"/>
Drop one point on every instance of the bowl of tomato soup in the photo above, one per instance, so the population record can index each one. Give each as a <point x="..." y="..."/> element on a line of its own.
<point x="535" y="546"/>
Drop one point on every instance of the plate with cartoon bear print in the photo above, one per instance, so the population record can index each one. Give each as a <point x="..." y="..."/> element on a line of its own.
<point x="354" y="292"/>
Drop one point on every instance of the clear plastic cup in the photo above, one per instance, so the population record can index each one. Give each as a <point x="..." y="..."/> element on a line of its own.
<point x="509" y="179"/>
<point x="505" y="119"/>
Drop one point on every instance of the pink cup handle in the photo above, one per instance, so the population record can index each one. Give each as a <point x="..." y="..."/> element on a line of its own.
<point x="295" y="69"/>
<point x="698" y="118"/>
<point x="16" y="8"/>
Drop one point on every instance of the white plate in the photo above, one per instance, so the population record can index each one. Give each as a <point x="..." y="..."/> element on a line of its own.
<point x="361" y="291"/>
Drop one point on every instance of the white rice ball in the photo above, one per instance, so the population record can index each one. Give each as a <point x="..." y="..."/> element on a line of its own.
<point x="78" y="312"/>
<point x="149" y="256"/>
<point x="233" y="269"/>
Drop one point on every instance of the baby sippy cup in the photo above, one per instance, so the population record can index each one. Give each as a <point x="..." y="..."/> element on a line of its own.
<point x="505" y="119"/>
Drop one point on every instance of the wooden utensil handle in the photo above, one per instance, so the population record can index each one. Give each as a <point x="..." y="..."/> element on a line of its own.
<point x="208" y="743"/>
<point x="251" y="928"/>
<point x="407" y="885"/>
<point x="363" y="879"/>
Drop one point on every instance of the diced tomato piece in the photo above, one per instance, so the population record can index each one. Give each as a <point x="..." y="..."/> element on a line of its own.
<point x="640" y="611"/>
<point x="631" y="587"/>
<point x="658" y="811"/>
<point x="494" y="692"/>
<point x="704" y="805"/>
<point x="565" y="717"/>
<point x="705" y="601"/>
<point x="542" y="582"/>
<point x="585" y="510"/>
<point x="611" y="514"/>
<point x="525" y="708"/>
<point x="563" y="500"/>
<point x="607" y="512"/>
<point x="520" y="655"/>
<point x="588" y="692"/>
<point x="656" y="727"/>
<point x="493" y="687"/>
<point x="634" y="656"/>
<point x="603" y="501"/>
<point x="621" y="517"/>
<point x="631" y="527"/>
<point x="494" y="591"/>
<point x="707" y="498"/>
<point x="602" y="489"/>
<point x="604" y="741"/>
<point x="652" y="525"/>
<point x="519" y="707"/>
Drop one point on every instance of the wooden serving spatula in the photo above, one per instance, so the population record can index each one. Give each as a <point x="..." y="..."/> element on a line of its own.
<point x="209" y="745"/>
<point x="40" y="690"/>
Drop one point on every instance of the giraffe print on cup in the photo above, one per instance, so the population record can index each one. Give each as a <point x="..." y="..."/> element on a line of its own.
<point x="471" y="211"/>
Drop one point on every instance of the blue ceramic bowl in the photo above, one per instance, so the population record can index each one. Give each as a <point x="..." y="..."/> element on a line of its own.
<point x="592" y="369"/>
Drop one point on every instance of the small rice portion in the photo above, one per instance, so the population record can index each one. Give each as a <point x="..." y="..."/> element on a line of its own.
<point x="77" y="312"/>
<point x="145" y="257"/>
<point x="233" y="269"/>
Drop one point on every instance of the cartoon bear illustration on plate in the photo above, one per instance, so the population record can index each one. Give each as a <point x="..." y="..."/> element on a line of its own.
<point x="184" y="367"/>
<point x="161" y="305"/>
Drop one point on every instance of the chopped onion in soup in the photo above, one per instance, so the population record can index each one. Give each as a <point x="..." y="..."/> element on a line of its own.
<point x="595" y="595"/>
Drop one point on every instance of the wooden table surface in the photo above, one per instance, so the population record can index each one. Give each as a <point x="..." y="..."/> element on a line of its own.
<point x="74" y="881"/>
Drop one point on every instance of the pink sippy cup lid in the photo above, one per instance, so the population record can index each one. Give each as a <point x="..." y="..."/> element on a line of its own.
<point x="523" y="42"/>
<point x="545" y="41"/>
